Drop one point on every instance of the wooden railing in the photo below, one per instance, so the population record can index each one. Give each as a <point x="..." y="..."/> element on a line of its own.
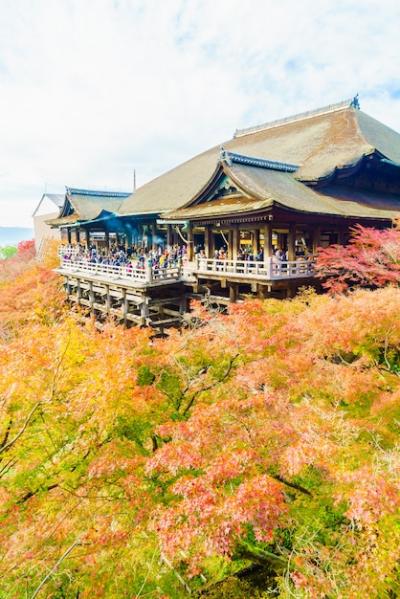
<point x="131" y="272"/>
<point x="271" y="269"/>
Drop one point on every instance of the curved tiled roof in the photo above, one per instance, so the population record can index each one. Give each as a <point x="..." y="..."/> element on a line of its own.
<point x="318" y="143"/>
<point x="265" y="188"/>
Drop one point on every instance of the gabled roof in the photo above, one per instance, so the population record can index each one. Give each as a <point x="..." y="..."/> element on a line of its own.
<point x="56" y="198"/>
<point x="264" y="184"/>
<point x="87" y="204"/>
<point x="318" y="141"/>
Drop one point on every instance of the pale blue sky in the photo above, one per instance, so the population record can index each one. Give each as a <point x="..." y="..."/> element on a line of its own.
<point x="91" y="89"/>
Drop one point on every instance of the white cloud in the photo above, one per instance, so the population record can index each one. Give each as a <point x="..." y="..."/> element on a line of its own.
<point x="90" y="90"/>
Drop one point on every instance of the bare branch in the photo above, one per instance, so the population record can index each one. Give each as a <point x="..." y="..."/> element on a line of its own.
<point x="54" y="568"/>
<point x="22" y="430"/>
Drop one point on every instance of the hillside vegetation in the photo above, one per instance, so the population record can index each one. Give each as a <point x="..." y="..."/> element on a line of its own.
<point x="256" y="455"/>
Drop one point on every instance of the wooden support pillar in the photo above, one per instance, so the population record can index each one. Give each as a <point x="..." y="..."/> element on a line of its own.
<point x="153" y="235"/>
<point x="91" y="296"/>
<point x="183" y="305"/>
<point x="144" y="312"/>
<point x="124" y="306"/>
<point x="233" y="292"/>
<point x="169" y="235"/>
<point x="208" y="241"/>
<point x="78" y="235"/>
<point x="69" y="235"/>
<point x="341" y="236"/>
<point x="190" y="243"/>
<point x="268" y="247"/>
<point x="235" y="242"/>
<point x="255" y="238"/>
<point x="108" y="299"/>
<point x="107" y="239"/>
<point x="316" y="239"/>
<point x="87" y="237"/>
<point x="79" y="291"/>
<point x="230" y="244"/>
<point x="292" y="243"/>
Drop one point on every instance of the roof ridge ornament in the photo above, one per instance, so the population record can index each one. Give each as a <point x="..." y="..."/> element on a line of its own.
<point x="224" y="156"/>
<point x="355" y="103"/>
<point x="298" y="117"/>
<point x="233" y="157"/>
<point x="96" y="192"/>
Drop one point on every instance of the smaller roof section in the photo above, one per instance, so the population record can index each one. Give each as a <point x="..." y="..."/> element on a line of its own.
<point x="50" y="198"/>
<point x="86" y="204"/>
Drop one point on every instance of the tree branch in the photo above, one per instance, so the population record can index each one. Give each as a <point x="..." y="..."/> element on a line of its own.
<point x="22" y="430"/>
<point x="56" y="565"/>
<point x="292" y="485"/>
<point x="210" y="386"/>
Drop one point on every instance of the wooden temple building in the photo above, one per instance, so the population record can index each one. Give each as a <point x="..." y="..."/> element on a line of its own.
<point x="287" y="186"/>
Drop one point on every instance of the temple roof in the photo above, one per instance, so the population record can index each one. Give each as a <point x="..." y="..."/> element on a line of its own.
<point x="55" y="198"/>
<point x="87" y="204"/>
<point x="261" y="185"/>
<point x="318" y="142"/>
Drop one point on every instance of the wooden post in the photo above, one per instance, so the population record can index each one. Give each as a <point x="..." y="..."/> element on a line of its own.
<point x="144" y="312"/>
<point x="255" y="238"/>
<point x="316" y="239"/>
<point x="235" y="242"/>
<point x="87" y="236"/>
<point x="230" y="244"/>
<point x="69" y="235"/>
<point x="292" y="243"/>
<point x="268" y="248"/>
<point x="107" y="239"/>
<point x="108" y="299"/>
<point x="78" y="235"/>
<point x="149" y="271"/>
<point x="190" y="243"/>
<point x="233" y="292"/>
<point x="124" y="306"/>
<point x="169" y="234"/>
<point x="153" y="234"/>
<point x="208" y="242"/>
<point x="91" y="295"/>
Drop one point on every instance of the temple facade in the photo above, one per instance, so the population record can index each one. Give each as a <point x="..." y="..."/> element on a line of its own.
<point x="252" y="212"/>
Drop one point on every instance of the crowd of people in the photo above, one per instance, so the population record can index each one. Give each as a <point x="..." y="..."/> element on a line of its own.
<point x="160" y="256"/>
<point x="118" y="255"/>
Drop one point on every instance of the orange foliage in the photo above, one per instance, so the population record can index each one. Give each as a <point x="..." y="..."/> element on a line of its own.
<point x="268" y="435"/>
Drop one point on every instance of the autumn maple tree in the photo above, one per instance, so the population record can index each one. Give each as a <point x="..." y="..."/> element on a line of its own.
<point x="371" y="259"/>
<point x="264" y="440"/>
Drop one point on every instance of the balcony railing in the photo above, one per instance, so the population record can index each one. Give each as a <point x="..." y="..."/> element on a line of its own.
<point x="143" y="271"/>
<point x="128" y="272"/>
<point x="271" y="269"/>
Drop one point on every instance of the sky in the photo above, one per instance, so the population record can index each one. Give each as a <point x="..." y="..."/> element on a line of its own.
<point x="92" y="89"/>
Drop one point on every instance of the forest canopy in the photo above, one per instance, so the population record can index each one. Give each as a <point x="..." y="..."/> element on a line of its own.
<point x="256" y="455"/>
